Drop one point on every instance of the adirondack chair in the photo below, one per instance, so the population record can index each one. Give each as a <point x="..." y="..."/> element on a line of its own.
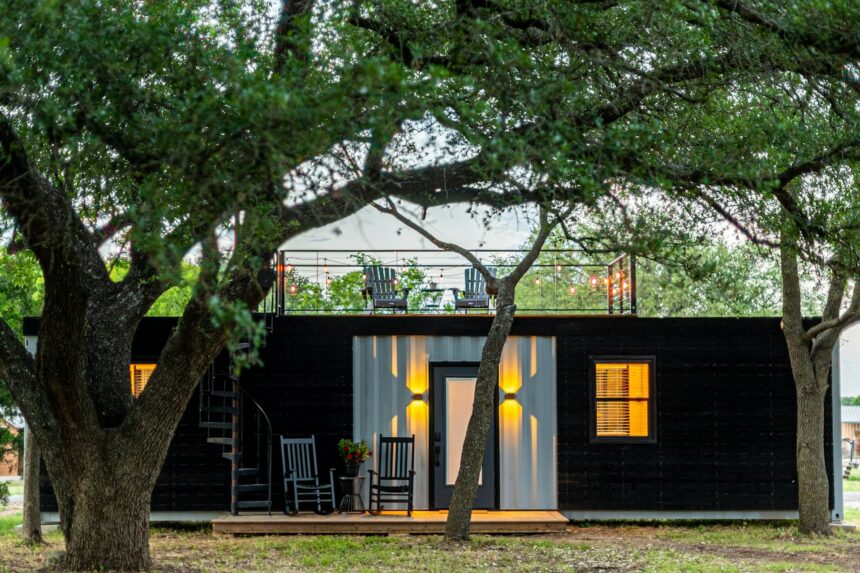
<point x="381" y="285"/>
<point x="474" y="295"/>
<point x="394" y="480"/>
<point x="301" y="479"/>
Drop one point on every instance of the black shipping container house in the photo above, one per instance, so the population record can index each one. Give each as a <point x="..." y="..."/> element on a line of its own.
<point x="598" y="417"/>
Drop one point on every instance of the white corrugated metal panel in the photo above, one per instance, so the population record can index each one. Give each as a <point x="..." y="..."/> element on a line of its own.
<point x="388" y="370"/>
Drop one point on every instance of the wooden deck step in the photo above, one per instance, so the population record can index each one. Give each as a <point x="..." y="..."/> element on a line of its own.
<point x="421" y="522"/>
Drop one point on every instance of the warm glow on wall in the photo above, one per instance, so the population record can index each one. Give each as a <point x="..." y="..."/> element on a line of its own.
<point x="511" y="427"/>
<point x="417" y="367"/>
<point x="417" y="415"/>
<point x="510" y="376"/>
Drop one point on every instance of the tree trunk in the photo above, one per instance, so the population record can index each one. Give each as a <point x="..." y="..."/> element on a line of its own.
<point x="478" y="431"/>
<point x="813" y="487"/>
<point x="32" y="526"/>
<point x="810" y="367"/>
<point x="105" y="520"/>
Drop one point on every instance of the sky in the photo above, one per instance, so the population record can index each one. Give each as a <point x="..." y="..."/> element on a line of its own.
<point x="370" y="229"/>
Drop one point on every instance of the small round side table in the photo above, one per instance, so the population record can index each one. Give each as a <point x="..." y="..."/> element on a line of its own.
<point x="351" y="487"/>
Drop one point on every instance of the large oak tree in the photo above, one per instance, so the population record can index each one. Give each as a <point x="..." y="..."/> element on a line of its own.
<point x="145" y="130"/>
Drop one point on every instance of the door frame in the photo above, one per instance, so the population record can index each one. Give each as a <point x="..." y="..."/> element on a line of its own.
<point x="431" y="466"/>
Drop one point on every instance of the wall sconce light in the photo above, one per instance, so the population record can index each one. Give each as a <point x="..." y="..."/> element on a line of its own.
<point x="510" y="395"/>
<point x="418" y="396"/>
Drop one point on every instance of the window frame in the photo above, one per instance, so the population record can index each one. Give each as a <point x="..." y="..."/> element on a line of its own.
<point x="131" y="369"/>
<point x="651" y="360"/>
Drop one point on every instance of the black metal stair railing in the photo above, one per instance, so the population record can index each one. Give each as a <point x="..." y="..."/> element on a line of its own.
<point x="222" y="405"/>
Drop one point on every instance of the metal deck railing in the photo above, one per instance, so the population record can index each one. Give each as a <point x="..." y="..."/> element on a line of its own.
<point x="560" y="282"/>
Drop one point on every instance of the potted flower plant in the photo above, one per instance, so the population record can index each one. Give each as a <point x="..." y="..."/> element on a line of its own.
<point x="353" y="455"/>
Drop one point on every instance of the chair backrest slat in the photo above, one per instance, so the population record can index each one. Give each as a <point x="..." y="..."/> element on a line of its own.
<point x="476" y="284"/>
<point x="300" y="456"/>
<point x="396" y="457"/>
<point x="381" y="280"/>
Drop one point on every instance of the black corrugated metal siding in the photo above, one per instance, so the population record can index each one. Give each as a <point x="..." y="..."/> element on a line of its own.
<point x="725" y="409"/>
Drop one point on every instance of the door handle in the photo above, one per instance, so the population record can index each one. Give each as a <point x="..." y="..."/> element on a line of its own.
<point x="437" y="455"/>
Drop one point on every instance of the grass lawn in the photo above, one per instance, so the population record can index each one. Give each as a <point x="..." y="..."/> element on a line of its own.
<point x="651" y="547"/>
<point x="16" y="487"/>
<point x="853" y="481"/>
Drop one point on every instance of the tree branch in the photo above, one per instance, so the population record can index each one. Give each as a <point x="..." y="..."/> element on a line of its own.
<point x="17" y="369"/>
<point x="291" y="41"/>
<point x="45" y="217"/>
<point x="393" y="211"/>
<point x="851" y="314"/>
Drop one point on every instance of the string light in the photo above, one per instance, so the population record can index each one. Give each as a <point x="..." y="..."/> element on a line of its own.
<point x="294" y="289"/>
<point x="328" y="280"/>
<point x="325" y="266"/>
<point x="606" y="281"/>
<point x="289" y="267"/>
<point x="593" y="282"/>
<point x="572" y="289"/>
<point x="558" y="267"/>
<point x="537" y="280"/>
<point x="364" y="277"/>
<point x="618" y="276"/>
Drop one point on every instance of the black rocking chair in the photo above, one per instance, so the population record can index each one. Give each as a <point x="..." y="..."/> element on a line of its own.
<point x="301" y="480"/>
<point x="394" y="482"/>
<point x="475" y="294"/>
<point x="381" y="284"/>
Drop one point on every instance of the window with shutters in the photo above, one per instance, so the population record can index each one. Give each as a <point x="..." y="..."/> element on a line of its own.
<point x="622" y="391"/>
<point x="140" y="374"/>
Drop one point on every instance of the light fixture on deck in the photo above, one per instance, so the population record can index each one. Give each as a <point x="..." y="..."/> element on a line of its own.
<point x="510" y="395"/>
<point x="418" y="396"/>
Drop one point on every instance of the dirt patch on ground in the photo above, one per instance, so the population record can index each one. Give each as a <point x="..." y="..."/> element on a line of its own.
<point x="757" y="544"/>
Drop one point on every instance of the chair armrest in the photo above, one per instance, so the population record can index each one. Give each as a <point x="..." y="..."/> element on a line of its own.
<point x="457" y="293"/>
<point x="406" y="291"/>
<point x="288" y="472"/>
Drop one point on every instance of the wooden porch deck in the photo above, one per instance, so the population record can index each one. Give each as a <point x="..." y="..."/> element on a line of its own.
<point x="421" y="522"/>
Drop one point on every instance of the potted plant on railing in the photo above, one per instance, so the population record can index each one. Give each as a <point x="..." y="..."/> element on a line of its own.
<point x="353" y="455"/>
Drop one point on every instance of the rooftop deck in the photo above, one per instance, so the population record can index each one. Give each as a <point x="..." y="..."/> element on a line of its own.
<point x="389" y="522"/>
<point x="561" y="282"/>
